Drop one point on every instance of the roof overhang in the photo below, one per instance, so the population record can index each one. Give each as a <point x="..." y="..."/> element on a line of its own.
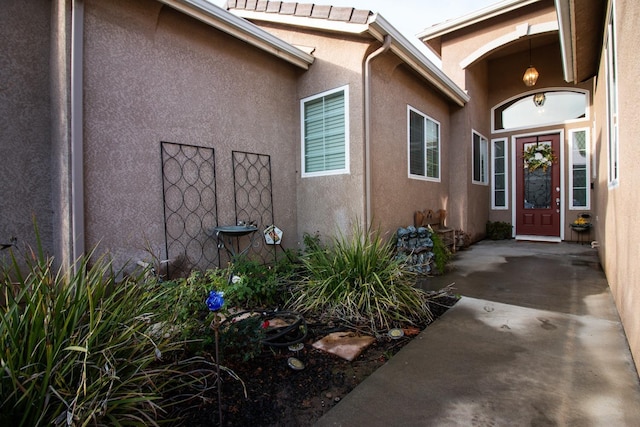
<point x="480" y="15"/>
<point x="377" y="27"/>
<point x="222" y="20"/>
<point x="581" y="26"/>
<point x="412" y="56"/>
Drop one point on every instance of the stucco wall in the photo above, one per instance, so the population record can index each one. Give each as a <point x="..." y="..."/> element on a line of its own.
<point x="25" y="114"/>
<point x="459" y="45"/>
<point x="395" y="196"/>
<point x="330" y="204"/>
<point x="153" y="74"/>
<point x="618" y="219"/>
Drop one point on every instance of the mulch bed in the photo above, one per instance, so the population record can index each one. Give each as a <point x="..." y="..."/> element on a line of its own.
<point x="280" y="396"/>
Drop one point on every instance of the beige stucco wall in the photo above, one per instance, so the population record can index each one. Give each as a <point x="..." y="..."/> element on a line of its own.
<point x="617" y="216"/>
<point x="328" y="205"/>
<point x="457" y="46"/>
<point x="25" y="123"/>
<point x="395" y="196"/>
<point x="153" y="74"/>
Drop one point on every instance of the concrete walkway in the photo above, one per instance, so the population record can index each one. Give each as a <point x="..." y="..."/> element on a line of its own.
<point x="534" y="341"/>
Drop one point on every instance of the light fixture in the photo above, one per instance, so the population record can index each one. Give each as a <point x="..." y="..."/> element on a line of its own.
<point x="539" y="99"/>
<point x="531" y="75"/>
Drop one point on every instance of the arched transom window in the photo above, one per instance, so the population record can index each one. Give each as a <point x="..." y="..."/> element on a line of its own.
<point x="545" y="107"/>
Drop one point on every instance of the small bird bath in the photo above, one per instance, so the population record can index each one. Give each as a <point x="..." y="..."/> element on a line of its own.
<point x="227" y="233"/>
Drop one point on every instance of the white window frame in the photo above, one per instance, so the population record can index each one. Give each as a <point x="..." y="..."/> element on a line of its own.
<point x="611" y="71"/>
<point x="484" y="159"/>
<point x="505" y="168"/>
<point x="303" y="102"/>
<point x="426" y="119"/>
<point x="587" y="187"/>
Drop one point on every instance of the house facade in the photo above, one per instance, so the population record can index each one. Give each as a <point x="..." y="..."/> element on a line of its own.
<point x="583" y="52"/>
<point x="139" y="126"/>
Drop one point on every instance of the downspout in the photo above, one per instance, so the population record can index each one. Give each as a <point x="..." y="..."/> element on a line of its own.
<point x="367" y="127"/>
<point x="77" y="153"/>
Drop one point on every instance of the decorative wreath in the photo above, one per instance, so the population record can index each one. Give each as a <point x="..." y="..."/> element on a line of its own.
<point x="539" y="156"/>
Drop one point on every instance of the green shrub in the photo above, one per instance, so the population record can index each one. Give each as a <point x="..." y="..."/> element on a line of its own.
<point x="257" y="285"/>
<point x="246" y="284"/>
<point x="499" y="230"/>
<point x="78" y="348"/>
<point x="358" y="279"/>
<point x="441" y="253"/>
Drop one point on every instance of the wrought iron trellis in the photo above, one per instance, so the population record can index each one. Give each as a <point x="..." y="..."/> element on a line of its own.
<point x="254" y="198"/>
<point x="190" y="206"/>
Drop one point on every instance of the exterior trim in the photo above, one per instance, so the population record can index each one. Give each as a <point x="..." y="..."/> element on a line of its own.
<point x="479" y="16"/>
<point x="566" y="45"/>
<point x="521" y="31"/>
<point x="378" y="27"/>
<point x="224" y="21"/>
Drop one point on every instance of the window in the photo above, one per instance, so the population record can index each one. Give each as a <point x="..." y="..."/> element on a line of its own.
<point x="558" y="106"/>
<point x="499" y="183"/>
<point x="480" y="156"/>
<point x="325" y="133"/>
<point x="579" y="164"/>
<point x="424" y="146"/>
<point x="612" y="98"/>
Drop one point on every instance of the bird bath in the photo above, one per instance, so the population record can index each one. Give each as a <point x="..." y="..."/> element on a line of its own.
<point x="226" y="234"/>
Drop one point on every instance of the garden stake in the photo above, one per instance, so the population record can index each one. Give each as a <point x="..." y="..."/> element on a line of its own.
<point x="214" y="302"/>
<point x="216" y="325"/>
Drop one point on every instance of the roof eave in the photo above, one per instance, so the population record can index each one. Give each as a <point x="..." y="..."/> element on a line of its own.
<point x="222" y="20"/>
<point x="566" y="40"/>
<point x="489" y="12"/>
<point x="411" y="55"/>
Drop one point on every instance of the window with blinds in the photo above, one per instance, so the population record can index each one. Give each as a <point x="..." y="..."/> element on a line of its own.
<point x="325" y="133"/>
<point x="424" y="146"/>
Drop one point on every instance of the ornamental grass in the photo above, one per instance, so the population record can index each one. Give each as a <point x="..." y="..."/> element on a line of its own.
<point x="79" y="349"/>
<point x="357" y="279"/>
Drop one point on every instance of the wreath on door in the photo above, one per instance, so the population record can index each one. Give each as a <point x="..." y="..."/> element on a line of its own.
<point x="539" y="156"/>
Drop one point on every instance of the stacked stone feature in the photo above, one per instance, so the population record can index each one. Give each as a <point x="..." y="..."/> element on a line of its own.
<point x="415" y="248"/>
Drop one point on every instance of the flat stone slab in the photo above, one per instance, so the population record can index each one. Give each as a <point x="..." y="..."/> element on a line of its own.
<point x="347" y="345"/>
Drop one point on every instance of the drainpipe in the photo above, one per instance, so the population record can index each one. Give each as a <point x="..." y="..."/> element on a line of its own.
<point x="367" y="126"/>
<point x="77" y="154"/>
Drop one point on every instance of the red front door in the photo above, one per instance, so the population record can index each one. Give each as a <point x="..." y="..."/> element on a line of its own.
<point x="538" y="186"/>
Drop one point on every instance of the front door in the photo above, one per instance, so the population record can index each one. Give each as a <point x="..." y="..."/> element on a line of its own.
<point x="537" y="187"/>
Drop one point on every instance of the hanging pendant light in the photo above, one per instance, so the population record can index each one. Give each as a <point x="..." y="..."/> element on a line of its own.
<point x="539" y="99"/>
<point x="531" y="75"/>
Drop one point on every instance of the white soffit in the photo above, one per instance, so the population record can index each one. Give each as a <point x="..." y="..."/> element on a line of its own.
<point x="472" y="18"/>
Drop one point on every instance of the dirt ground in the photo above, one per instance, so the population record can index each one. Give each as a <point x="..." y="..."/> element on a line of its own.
<point x="277" y="395"/>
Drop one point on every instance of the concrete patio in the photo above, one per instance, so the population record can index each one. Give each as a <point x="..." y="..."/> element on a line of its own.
<point x="535" y="340"/>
